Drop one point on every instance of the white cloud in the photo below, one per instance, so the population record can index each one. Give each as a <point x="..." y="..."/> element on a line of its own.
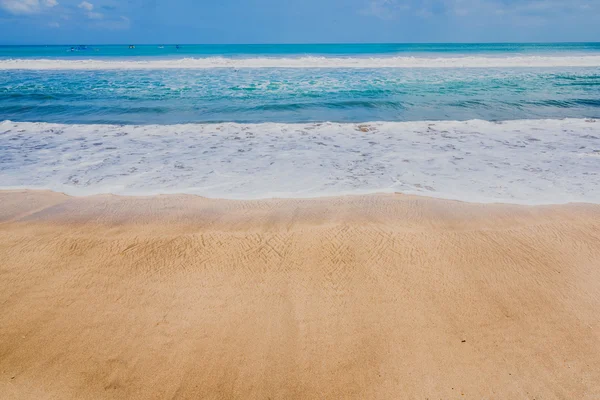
<point x="86" y="5"/>
<point x="89" y="7"/>
<point x="23" y="7"/>
<point x="54" y="25"/>
<point x="20" y="6"/>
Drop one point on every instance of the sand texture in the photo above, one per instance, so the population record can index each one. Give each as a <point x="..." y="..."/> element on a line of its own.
<point x="362" y="297"/>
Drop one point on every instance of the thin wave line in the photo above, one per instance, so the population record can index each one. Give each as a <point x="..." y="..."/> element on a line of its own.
<point x="304" y="62"/>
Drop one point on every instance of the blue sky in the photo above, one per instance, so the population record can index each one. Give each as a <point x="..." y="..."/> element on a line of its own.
<point x="296" y="21"/>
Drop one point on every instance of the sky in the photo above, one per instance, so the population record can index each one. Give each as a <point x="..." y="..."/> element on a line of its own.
<point x="296" y="21"/>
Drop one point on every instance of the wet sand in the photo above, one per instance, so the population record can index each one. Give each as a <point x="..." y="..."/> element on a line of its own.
<point x="361" y="297"/>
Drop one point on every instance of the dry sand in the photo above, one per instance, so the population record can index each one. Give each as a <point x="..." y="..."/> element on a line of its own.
<point x="367" y="297"/>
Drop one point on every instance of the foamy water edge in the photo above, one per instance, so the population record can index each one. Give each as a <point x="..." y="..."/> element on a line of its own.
<point x="305" y="62"/>
<point x="522" y="162"/>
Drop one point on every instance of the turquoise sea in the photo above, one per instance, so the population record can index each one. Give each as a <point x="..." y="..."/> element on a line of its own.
<point x="72" y="51"/>
<point x="510" y="122"/>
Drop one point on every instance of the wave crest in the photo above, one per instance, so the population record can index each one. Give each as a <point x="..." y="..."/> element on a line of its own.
<point x="305" y="62"/>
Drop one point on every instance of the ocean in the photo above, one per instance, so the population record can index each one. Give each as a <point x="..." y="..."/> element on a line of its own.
<point x="512" y="123"/>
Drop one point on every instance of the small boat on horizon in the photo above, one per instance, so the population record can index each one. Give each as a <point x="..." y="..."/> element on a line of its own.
<point x="81" y="47"/>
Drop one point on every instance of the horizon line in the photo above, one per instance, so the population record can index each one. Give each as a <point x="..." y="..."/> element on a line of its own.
<point x="295" y="43"/>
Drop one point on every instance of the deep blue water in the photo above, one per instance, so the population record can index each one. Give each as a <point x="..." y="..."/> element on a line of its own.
<point x="303" y="94"/>
<point x="72" y="51"/>
<point x="297" y="95"/>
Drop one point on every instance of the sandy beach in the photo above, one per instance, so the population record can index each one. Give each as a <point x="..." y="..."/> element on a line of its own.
<point x="359" y="297"/>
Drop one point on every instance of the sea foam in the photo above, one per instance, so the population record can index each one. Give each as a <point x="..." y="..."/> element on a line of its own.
<point x="307" y="62"/>
<point x="523" y="161"/>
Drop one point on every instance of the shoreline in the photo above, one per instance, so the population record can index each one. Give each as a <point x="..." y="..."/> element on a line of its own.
<point x="380" y="193"/>
<point x="280" y="197"/>
<point x="346" y="297"/>
<point x="49" y="198"/>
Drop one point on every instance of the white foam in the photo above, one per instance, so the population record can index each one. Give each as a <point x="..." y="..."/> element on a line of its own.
<point x="306" y="62"/>
<point x="526" y="161"/>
